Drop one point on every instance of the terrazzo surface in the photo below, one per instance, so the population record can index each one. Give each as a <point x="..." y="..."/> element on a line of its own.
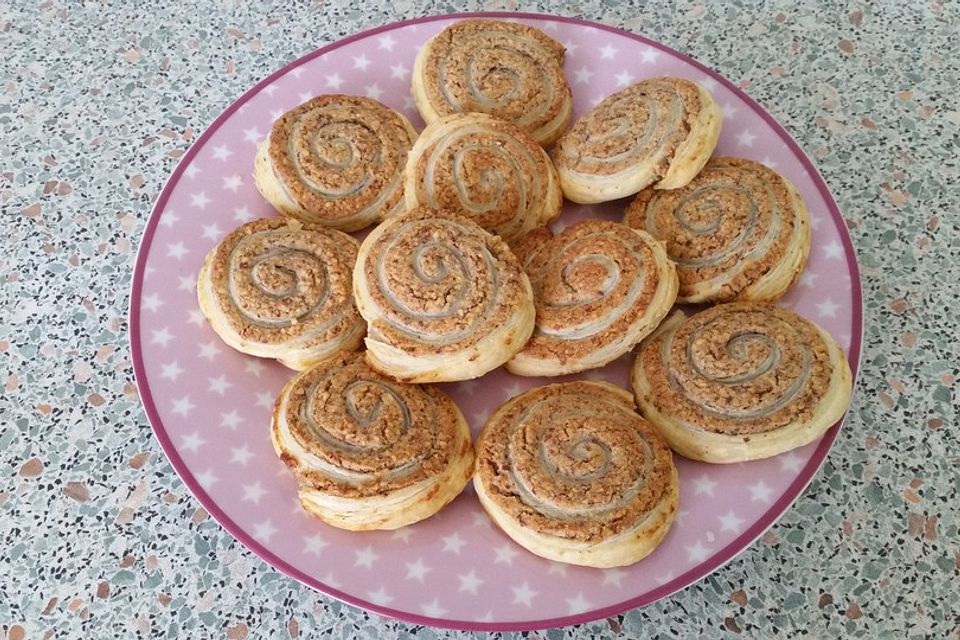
<point x="101" y="539"/>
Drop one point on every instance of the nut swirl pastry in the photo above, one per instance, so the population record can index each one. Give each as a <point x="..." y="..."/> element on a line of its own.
<point x="657" y="132"/>
<point x="281" y="289"/>
<point x="599" y="287"/>
<point x="741" y="381"/>
<point x="508" y="70"/>
<point x="485" y="169"/>
<point x="737" y="231"/>
<point x="337" y="161"/>
<point x="443" y="299"/>
<point x="573" y="474"/>
<point x="369" y="452"/>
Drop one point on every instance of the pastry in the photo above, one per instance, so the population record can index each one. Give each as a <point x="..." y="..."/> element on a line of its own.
<point x="279" y="288"/>
<point x="741" y="381"/>
<point x="368" y="452"/>
<point x="508" y="70"/>
<point x="737" y="231"/>
<point x="443" y="299"/>
<point x="657" y="132"/>
<point x="573" y="474"/>
<point x="599" y="287"/>
<point x="336" y="161"/>
<point x="486" y="169"/>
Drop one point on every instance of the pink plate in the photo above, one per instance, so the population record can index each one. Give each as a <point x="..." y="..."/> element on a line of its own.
<point x="210" y="406"/>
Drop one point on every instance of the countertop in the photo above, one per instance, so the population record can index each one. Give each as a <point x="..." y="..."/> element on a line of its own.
<point x="101" y="539"/>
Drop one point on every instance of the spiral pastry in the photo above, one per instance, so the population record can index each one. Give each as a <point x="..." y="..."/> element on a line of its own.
<point x="741" y="381"/>
<point x="336" y="161"/>
<point x="599" y="288"/>
<point x="738" y="231"/>
<point x="280" y="289"/>
<point x="443" y="299"/>
<point x="507" y="70"/>
<point x="369" y="452"/>
<point x="573" y="474"/>
<point x="657" y="132"/>
<point x="485" y="169"/>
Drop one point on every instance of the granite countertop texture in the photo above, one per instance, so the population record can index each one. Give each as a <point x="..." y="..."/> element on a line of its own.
<point x="99" y="100"/>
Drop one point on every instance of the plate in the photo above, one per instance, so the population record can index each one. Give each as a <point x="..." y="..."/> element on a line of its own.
<point x="210" y="406"/>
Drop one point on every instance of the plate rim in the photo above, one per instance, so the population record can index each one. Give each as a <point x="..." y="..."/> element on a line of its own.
<point x="729" y="552"/>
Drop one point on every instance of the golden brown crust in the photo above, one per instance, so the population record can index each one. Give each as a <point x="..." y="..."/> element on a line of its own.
<point x="443" y="299"/>
<point x="504" y="69"/>
<point x="599" y="288"/>
<point x="358" y="440"/>
<point x="282" y="288"/>
<point x="486" y="169"/>
<point x="655" y="129"/>
<point x="745" y="379"/>
<point x="336" y="160"/>
<point x="574" y="464"/>
<point x="727" y="230"/>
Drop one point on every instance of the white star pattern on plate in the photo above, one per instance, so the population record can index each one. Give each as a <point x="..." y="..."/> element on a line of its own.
<point x="270" y="89"/>
<point x="373" y="91"/>
<point x="833" y="250"/>
<point x="194" y="316"/>
<point x="303" y="97"/>
<point x="314" y="544"/>
<point x="704" y="485"/>
<point x="242" y="214"/>
<point x="380" y="596"/>
<point x="807" y="279"/>
<point x="523" y="595"/>
<point x="199" y="200"/>
<point x="252" y="135"/>
<point x="331" y="580"/>
<point x="578" y="604"/>
<point x="623" y="78"/>
<point x="760" y="492"/>
<point x="681" y="515"/>
<point x="219" y="385"/>
<point x="264" y="531"/>
<point x="222" y="153"/>
<point x="171" y="371"/>
<point x="209" y="351"/>
<point x="231" y="420"/>
<point x="265" y="400"/>
<point x="232" y="183"/>
<point x="745" y="138"/>
<point x="407" y="102"/>
<point x="177" y="250"/>
<point x="433" y="609"/>
<point x="815" y="221"/>
<point x="608" y="52"/>
<point x="192" y="171"/>
<point x="334" y="81"/>
<point x="709" y="84"/>
<point x="207" y="479"/>
<point x="480" y="519"/>
<point x="365" y="557"/>
<point x="169" y="219"/>
<point x="558" y="568"/>
<point x="240" y="455"/>
<point x="453" y="543"/>
<point x="417" y="570"/>
<point x="487" y="617"/>
<point x="570" y="46"/>
<point x="505" y="554"/>
<point x="768" y="162"/>
<point x="697" y="552"/>
<point x="403" y="533"/>
<point x="386" y="42"/>
<point x="730" y="522"/>
<point x="297" y="72"/>
<point x="583" y="75"/>
<point x="613" y="576"/>
<point x="361" y="62"/>
<point x="649" y="54"/>
<point x="183" y="406"/>
<point x="253" y="367"/>
<point x="664" y="578"/>
<point x="399" y="71"/>
<point x="253" y="492"/>
<point x="192" y="442"/>
<point x="791" y="462"/>
<point x="827" y="309"/>
<point x="275" y="114"/>
<point x="212" y="231"/>
<point x="470" y="582"/>
<point x="151" y="302"/>
<point x="728" y="110"/>
<point x="187" y="283"/>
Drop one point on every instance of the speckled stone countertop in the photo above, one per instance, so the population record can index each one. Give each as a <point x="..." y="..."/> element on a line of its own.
<point x="101" y="539"/>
